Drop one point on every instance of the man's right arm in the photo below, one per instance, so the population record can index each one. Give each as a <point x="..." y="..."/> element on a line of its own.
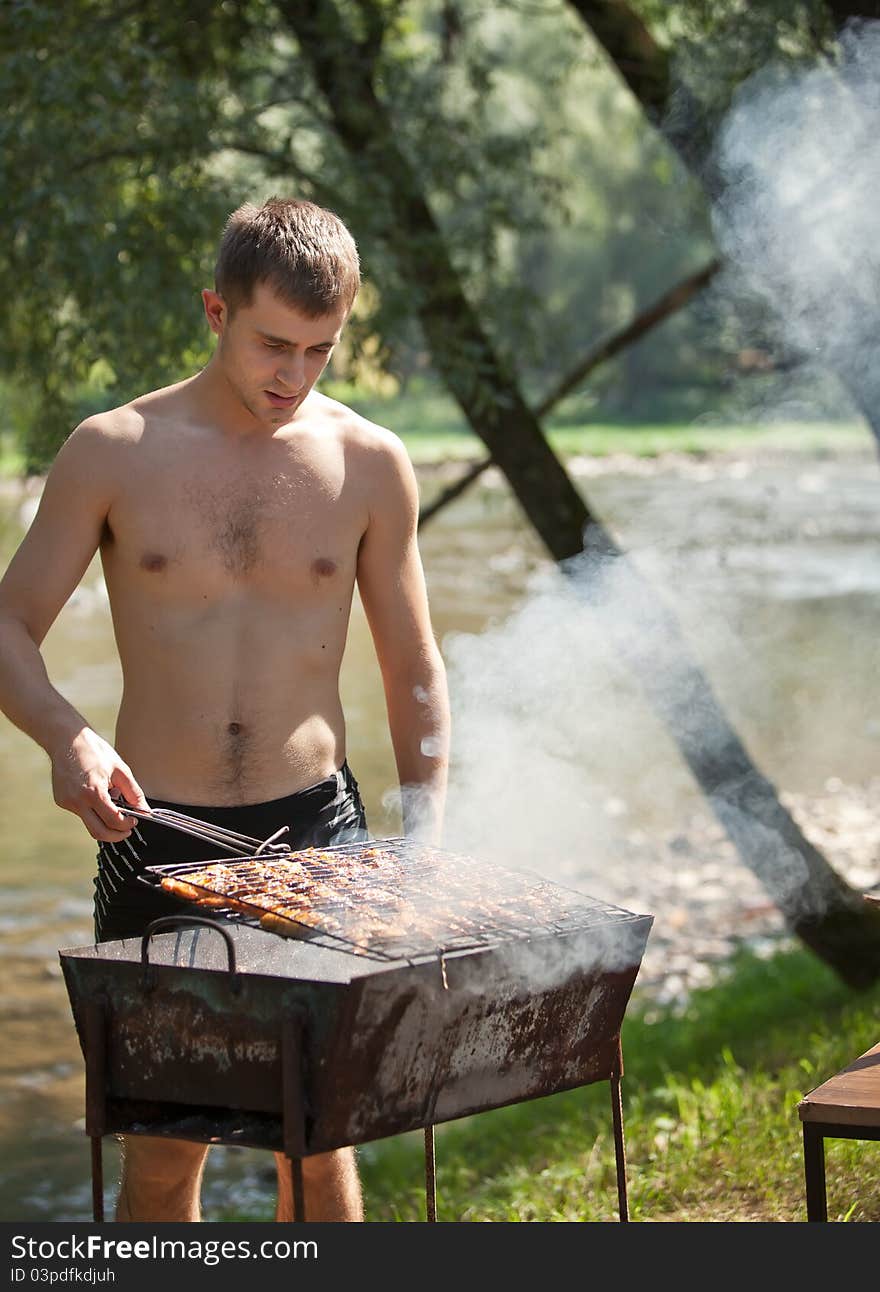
<point x="50" y="562"/>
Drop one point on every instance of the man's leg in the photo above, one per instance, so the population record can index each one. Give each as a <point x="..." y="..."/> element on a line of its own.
<point x="161" y="1179"/>
<point x="332" y="1187"/>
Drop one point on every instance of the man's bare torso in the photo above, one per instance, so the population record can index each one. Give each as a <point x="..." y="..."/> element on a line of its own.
<point x="230" y="563"/>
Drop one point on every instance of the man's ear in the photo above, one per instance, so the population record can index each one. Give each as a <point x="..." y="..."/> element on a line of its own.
<point x="215" y="310"/>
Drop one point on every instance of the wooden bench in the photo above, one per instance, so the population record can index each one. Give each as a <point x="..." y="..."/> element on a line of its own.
<point x="847" y="1106"/>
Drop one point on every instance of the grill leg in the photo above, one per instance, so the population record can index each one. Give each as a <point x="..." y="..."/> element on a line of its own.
<point x="430" y="1176"/>
<point x="814" y="1173"/>
<point x="298" y="1187"/>
<point x="95" y="1035"/>
<point x="619" y="1146"/>
<point x="293" y="1108"/>
<point x="97" y="1179"/>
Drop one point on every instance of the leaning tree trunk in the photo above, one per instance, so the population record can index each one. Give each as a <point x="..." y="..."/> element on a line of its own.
<point x="473" y="372"/>
<point x="839" y="926"/>
<point x="843" y="10"/>
<point x="829" y="916"/>
<point x="834" y="920"/>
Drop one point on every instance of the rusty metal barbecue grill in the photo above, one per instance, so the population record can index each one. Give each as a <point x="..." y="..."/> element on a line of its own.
<point x="222" y="1032"/>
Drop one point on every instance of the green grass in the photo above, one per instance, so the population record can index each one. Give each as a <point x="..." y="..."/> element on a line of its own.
<point x="434" y="430"/>
<point x="648" y="441"/>
<point x="710" y="1111"/>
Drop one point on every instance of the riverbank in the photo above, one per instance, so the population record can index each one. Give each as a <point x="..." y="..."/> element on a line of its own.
<point x="438" y="443"/>
<point x="690" y="451"/>
<point x="711" y="906"/>
<point x="636" y="447"/>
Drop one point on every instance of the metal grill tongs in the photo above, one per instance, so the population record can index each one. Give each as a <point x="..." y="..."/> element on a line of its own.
<point x="241" y="845"/>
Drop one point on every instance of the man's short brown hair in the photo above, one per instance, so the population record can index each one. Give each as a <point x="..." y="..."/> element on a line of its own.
<point x="302" y="251"/>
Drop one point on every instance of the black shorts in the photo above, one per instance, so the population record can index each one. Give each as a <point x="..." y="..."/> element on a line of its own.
<point x="328" y="813"/>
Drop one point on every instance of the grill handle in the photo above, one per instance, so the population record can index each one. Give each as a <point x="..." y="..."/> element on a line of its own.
<point x="166" y="922"/>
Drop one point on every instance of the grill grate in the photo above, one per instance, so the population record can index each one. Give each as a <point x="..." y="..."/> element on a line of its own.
<point x="390" y="899"/>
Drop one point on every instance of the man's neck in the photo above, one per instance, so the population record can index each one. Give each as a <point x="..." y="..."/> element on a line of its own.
<point x="213" y="399"/>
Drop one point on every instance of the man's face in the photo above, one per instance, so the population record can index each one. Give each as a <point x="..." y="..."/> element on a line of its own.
<point x="271" y="354"/>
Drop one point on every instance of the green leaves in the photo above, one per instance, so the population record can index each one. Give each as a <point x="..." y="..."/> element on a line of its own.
<point x="131" y="131"/>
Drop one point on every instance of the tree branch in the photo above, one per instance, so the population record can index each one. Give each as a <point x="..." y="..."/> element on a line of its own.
<point x="646" y="67"/>
<point x="376" y="24"/>
<point x="666" y="305"/>
<point x="454" y="491"/>
<point x="110" y="154"/>
<point x="286" y="162"/>
<point x="661" y="309"/>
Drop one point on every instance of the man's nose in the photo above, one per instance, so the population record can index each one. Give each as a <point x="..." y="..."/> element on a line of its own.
<point x="291" y="372"/>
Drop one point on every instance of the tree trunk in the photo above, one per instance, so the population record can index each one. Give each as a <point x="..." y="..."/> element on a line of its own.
<point x="840" y="926"/>
<point x="818" y="906"/>
<point x="835" y="922"/>
<point x="460" y="349"/>
<point x="841" y="11"/>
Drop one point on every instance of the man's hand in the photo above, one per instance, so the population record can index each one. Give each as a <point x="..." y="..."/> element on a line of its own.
<point x="83" y="774"/>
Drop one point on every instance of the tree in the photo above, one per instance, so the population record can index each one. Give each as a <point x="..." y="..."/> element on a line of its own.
<point x="822" y="909"/>
<point x="331" y="127"/>
<point x="686" y="98"/>
<point x="744" y="801"/>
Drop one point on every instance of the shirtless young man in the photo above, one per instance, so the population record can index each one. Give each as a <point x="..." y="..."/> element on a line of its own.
<point x="234" y="512"/>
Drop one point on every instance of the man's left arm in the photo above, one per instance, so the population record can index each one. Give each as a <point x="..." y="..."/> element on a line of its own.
<point x="395" y="600"/>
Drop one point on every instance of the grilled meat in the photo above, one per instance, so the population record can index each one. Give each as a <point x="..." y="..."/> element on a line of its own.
<point x="374" y="897"/>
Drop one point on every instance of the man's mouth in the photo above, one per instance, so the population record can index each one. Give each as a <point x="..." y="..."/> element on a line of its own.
<point x="281" y="401"/>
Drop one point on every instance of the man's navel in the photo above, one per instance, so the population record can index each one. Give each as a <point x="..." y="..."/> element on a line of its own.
<point x="235" y="753"/>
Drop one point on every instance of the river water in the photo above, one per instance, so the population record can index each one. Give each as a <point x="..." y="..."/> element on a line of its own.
<point x="772" y="567"/>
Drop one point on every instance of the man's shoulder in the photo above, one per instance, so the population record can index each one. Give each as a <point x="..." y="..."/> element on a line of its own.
<point x="93" y="449"/>
<point x="383" y="464"/>
<point x="126" y="423"/>
<point x="122" y="424"/>
<point x="360" y="434"/>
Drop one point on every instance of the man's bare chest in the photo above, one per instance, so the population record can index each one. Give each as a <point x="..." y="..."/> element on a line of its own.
<point x="294" y="531"/>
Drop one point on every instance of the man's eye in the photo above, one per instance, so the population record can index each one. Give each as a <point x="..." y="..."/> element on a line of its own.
<point x="273" y="345"/>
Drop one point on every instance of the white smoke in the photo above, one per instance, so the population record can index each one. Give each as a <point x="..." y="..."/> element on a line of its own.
<point x="547" y="722"/>
<point x="799" y="159"/>
<point x="553" y="740"/>
<point x="559" y="758"/>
